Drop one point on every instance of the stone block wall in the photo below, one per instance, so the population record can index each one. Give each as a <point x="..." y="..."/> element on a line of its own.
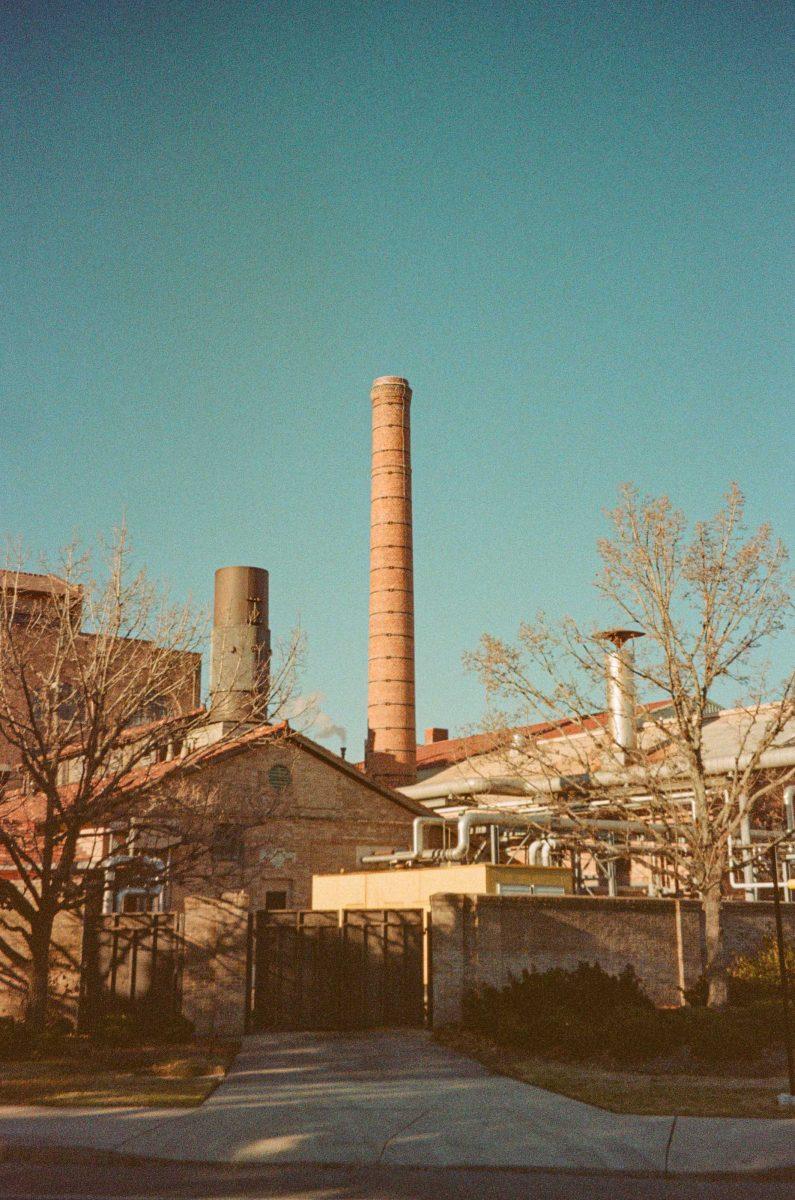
<point x="487" y="940"/>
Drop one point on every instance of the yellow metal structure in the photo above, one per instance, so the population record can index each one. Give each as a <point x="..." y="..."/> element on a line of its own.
<point x="413" y="887"/>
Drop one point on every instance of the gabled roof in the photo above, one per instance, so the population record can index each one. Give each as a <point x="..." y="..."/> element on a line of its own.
<point x="262" y="735"/>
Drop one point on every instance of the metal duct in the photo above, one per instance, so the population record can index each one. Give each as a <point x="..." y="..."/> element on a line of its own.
<point x="621" y="692"/>
<point x="475" y="818"/>
<point x="240" y="645"/>
<point x="776" y="756"/>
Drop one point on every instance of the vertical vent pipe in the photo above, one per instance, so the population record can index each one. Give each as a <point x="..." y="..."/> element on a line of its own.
<point x="621" y="691"/>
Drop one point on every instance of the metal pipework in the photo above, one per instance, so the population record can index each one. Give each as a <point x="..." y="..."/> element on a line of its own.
<point x="474" y="818"/>
<point x="110" y="897"/>
<point x="776" y="756"/>
<point x="419" y="825"/>
<point x="621" y="692"/>
<point x="240" y="645"/>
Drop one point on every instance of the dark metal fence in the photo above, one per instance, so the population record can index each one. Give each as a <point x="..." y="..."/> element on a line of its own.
<point x="132" y="964"/>
<point x="357" y="969"/>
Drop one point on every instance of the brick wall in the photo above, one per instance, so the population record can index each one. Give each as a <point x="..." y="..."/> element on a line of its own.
<point x="214" y="973"/>
<point x="319" y="823"/>
<point x="489" y="939"/>
<point x="67" y="949"/>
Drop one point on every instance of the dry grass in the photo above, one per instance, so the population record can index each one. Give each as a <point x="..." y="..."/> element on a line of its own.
<point x="662" y="1093"/>
<point x="161" y="1076"/>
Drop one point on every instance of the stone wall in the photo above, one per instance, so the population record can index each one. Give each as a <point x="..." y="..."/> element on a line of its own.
<point x="486" y="940"/>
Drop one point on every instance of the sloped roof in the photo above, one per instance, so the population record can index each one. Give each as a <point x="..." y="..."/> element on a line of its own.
<point x="251" y="739"/>
<point x="34" y="582"/>
<point x="727" y="733"/>
<point x="456" y="750"/>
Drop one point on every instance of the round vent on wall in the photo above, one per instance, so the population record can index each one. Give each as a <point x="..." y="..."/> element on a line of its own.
<point x="279" y="777"/>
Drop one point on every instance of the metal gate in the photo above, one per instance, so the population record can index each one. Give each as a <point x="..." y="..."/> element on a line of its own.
<point x="132" y="964"/>
<point x="357" y="969"/>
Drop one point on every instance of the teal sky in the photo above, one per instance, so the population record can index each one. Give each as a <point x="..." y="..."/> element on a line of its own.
<point x="567" y="224"/>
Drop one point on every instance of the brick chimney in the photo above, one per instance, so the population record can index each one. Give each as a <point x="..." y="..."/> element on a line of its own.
<point x="390" y="752"/>
<point x="435" y="734"/>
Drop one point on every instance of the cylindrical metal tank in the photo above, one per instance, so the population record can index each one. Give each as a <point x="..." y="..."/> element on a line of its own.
<point x="390" y="753"/>
<point x="239" y="670"/>
<point x="621" y="691"/>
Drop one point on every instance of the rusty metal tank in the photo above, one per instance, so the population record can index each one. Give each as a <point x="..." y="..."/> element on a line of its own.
<point x="239" y="670"/>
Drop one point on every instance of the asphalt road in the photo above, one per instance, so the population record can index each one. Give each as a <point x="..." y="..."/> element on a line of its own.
<point x="69" y="1177"/>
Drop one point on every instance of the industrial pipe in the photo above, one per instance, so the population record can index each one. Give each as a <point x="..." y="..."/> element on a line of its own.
<point x="620" y="670"/>
<point x="109" y="895"/>
<point x="777" y="756"/>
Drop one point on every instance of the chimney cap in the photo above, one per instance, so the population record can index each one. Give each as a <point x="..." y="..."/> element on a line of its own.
<point x="390" y="381"/>
<point x="618" y="636"/>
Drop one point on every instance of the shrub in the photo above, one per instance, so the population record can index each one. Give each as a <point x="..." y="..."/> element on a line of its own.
<point x="17" y="1040"/>
<point x="587" y="1014"/>
<point x="135" y="1028"/>
<point x="753" y="978"/>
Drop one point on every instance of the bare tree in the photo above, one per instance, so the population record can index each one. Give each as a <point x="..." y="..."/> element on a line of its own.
<point x="98" y="685"/>
<point x="709" y="604"/>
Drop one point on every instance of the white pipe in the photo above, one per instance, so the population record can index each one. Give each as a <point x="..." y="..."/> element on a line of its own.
<point x="419" y="825"/>
<point x="110" y="898"/>
<point x="532" y="851"/>
<point x="749" y="875"/>
<point x="155" y="890"/>
<point x="777" y="756"/>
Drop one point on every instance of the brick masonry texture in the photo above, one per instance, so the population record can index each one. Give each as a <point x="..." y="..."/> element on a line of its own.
<point x="487" y="940"/>
<point x="391" y="743"/>
<point x="214" y="974"/>
<point x="321" y="822"/>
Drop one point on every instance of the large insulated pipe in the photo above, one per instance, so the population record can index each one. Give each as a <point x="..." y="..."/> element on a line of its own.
<point x="621" y="698"/>
<point x="391" y="748"/>
<point x="240" y="645"/>
<point x="728" y="764"/>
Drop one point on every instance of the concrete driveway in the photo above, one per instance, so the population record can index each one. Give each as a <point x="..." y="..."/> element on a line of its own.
<point x="395" y="1097"/>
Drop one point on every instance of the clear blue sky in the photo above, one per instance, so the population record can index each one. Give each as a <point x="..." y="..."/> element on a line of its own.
<point x="567" y="224"/>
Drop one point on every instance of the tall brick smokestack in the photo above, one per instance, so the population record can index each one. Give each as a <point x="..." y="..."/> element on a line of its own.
<point x="391" y="750"/>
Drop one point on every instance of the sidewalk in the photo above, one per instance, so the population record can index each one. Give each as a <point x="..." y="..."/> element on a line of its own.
<point x="399" y="1098"/>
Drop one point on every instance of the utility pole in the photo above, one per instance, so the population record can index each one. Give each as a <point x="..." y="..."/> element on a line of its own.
<point x="784" y="976"/>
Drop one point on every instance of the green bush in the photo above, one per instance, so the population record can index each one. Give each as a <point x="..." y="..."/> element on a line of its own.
<point x="589" y="1015"/>
<point x="752" y="979"/>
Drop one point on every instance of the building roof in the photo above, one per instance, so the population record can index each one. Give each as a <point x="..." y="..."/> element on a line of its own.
<point x="261" y="735"/>
<point x="726" y="734"/>
<point x="442" y="754"/>
<point x="34" y="582"/>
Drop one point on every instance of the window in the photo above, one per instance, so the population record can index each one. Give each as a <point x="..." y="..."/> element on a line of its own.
<point x="227" y="842"/>
<point x="279" y="777"/>
<point x="154" y="710"/>
<point x="275" y="900"/>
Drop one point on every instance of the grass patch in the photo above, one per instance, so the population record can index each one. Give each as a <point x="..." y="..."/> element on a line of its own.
<point x="164" y="1076"/>
<point x="664" y="1092"/>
